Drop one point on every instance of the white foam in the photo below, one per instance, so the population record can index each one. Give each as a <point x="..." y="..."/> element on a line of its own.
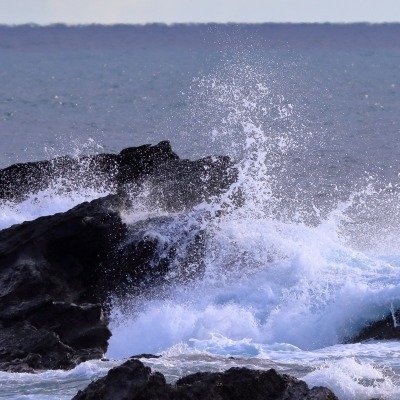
<point x="352" y="380"/>
<point x="285" y="278"/>
<point x="51" y="385"/>
<point x="270" y="282"/>
<point x="46" y="202"/>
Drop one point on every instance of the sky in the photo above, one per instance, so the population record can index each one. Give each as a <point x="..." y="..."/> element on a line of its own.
<point x="46" y="12"/>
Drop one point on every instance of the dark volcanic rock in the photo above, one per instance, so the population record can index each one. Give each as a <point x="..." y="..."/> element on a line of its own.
<point x="174" y="183"/>
<point x="246" y="384"/>
<point x="133" y="381"/>
<point x="19" y="180"/>
<point x="49" y="311"/>
<point x="57" y="272"/>
<point x="385" y="329"/>
<point x="59" y="255"/>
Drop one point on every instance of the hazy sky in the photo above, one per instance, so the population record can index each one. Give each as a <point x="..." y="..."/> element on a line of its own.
<point x="170" y="11"/>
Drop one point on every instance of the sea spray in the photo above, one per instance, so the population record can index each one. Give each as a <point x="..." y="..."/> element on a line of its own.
<point x="52" y="200"/>
<point x="354" y="380"/>
<point x="283" y="276"/>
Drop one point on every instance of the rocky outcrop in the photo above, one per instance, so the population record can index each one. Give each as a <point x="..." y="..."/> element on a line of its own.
<point x="388" y="328"/>
<point x="50" y="313"/>
<point x="132" y="380"/>
<point x="57" y="272"/>
<point x="172" y="183"/>
<point x="108" y="170"/>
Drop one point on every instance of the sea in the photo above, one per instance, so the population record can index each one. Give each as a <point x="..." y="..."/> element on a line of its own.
<point x="299" y="255"/>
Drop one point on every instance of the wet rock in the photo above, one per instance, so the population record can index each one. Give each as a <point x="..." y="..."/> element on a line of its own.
<point x="172" y="183"/>
<point x="56" y="275"/>
<point x="24" y="347"/>
<point x="246" y="384"/>
<point x="57" y="272"/>
<point x="50" y="316"/>
<point x="132" y="380"/>
<point x="386" y="329"/>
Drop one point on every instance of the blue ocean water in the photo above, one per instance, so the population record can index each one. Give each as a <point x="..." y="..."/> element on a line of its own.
<point x="309" y="113"/>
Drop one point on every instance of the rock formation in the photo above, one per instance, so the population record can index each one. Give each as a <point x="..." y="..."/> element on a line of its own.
<point x="57" y="272"/>
<point x="133" y="381"/>
<point x="174" y="183"/>
<point x="50" y="316"/>
<point x="386" y="329"/>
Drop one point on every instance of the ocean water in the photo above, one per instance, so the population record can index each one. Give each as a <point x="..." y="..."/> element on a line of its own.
<point x="308" y="255"/>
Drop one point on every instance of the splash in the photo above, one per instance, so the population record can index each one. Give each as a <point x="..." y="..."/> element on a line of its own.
<point x="69" y="187"/>
<point x="242" y="112"/>
<point x="279" y="265"/>
<point x="353" y="380"/>
<point x="52" y="200"/>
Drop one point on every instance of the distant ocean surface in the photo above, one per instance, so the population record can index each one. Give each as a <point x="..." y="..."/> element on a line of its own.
<point x="310" y="114"/>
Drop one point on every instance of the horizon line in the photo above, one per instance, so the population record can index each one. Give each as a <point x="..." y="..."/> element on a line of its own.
<point x="172" y="24"/>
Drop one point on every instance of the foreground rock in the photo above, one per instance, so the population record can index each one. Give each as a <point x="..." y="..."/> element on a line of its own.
<point x="57" y="272"/>
<point x="50" y="316"/>
<point x="132" y="380"/>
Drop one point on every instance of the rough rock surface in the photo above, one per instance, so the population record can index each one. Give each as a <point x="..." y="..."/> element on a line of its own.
<point x="174" y="183"/>
<point x="386" y="329"/>
<point x="133" y="381"/>
<point x="50" y="315"/>
<point x="57" y="272"/>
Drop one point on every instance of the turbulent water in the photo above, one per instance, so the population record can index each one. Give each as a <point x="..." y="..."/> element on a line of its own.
<point x="299" y="255"/>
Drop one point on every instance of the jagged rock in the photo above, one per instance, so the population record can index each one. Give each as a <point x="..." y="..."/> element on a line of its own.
<point x="59" y="255"/>
<point x="247" y="384"/>
<point x="48" y="274"/>
<point x="133" y="381"/>
<point x="385" y="329"/>
<point x="57" y="272"/>
<point x="174" y="183"/>
<point x="126" y="382"/>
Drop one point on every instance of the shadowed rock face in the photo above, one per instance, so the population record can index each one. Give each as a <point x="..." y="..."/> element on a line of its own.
<point x="385" y="329"/>
<point x="174" y="184"/>
<point x="132" y="380"/>
<point x="50" y="316"/>
<point x="57" y="272"/>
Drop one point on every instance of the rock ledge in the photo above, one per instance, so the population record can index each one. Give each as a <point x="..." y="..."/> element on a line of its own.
<point x="133" y="381"/>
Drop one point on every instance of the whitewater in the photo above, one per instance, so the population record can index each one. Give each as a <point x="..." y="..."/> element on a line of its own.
<point x="292" y="265"/>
